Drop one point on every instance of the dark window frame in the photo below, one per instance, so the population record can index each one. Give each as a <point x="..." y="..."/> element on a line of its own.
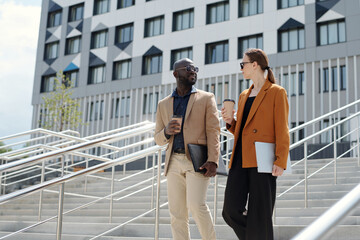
<point x="120" y="4"/>
<point x="208" y="54"/>
<point x="51" y="23"/>
<point x="298" y="40"/>
<point x="149" y="20"/>
<point x="181" y="12"/>
<point x="240" y="39"/>
<point x="217" y="4"/>
<point x="120" y="28"/>
<point x="174" y="51"/>
<point x="327" y="23"/>
<point x="73" y="9"/>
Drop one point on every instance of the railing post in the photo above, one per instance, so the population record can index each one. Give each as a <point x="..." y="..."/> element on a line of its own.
<point x="357" y="140"/>
<point x="305" y="176"/>
<point x="335" y="157"/>
<point x="215" y="196"/>
<point x="1" y="180"/>
<point x="112" y="191"/>
<point x="153" y="181"/>
<point x="86" y="178"/>
<point x="41" y="192"/>
<point x="61" y="202"/>
<point x="157" y="211"/>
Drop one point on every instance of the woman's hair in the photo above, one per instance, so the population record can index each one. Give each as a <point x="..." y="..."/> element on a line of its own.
<point x="259" y="56"/>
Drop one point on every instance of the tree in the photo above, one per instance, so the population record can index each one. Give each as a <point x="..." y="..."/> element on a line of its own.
<point x="60" y="109"/>
<point x="4" y="150"/>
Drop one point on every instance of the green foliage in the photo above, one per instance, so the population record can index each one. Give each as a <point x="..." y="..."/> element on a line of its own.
<point x="60" y="109"/>
<point x="4" y="150"/>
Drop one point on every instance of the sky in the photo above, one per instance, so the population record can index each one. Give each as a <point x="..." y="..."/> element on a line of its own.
<point x="19" y="26"/>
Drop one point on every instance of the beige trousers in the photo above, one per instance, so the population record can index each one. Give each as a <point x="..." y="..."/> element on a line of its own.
<point x="187" y="192"/>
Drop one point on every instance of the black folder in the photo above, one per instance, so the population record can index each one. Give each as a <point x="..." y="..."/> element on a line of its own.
<point x="198" y="154"/>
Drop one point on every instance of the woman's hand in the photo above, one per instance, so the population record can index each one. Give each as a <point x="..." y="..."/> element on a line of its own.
<point x="227" y="119"/>
<point x="277" y="171"/>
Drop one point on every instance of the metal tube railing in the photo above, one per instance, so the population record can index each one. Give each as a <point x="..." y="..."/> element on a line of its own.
<point x="326" y="222"/>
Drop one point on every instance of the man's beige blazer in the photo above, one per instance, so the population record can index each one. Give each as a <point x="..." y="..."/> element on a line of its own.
<point x="201" y="126"/>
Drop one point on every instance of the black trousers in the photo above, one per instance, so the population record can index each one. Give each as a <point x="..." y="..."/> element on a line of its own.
<point x="246" y="185"/>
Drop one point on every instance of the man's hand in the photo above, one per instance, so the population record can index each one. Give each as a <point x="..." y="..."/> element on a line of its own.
<point x="172" y="128"/>
<point x="277" y="171"/>
<point x="210" y="169"/>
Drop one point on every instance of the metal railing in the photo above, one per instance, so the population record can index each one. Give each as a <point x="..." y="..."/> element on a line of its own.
<point x="324" y="225"/>
<point x="74" y="146"/>
<point x="148" y="128"/>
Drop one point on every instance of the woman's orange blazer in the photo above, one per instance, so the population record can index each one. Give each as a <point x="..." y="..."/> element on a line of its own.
<point x="267" y="122"/>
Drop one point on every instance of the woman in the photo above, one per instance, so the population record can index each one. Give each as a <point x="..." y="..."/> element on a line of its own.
<point x="262" y="116"/>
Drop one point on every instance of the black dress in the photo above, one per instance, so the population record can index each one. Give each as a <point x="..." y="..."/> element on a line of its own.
<point x="247" y="186"/>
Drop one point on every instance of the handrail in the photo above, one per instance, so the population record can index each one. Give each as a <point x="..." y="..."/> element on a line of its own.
<point x="35" y="159"/>
<point x="294" y="129"/>
<point x="122" y="160"/>
<point x="328" y="220"/>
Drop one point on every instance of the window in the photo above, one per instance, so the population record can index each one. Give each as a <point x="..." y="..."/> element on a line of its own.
<point x="285" y="82"/>
<point x="101" y="6"/>
<point x="299" y="132"/>
<point x="243" y="84"/>
<point x="51" y="50"/>
<point x="96" y="74"/>
<point x="179" y="54"/>
<point x="154" y="26"/>
<point x="292" y="39"/>
<point x="331" y="32"/>
<point x="48" y="83"/>
<point x="73" y="77"/>
<point x="254" y="41"/>
<point x="96" y="110"/>
<point x="54" y="19"/>
<point x="250" y="7"/>
<point x="325" y="80"/>
<point x="125" y="3"/>
<point x="122" y="69"/>
<point x="217" y="52"/>
<point x="124" y="33"/>
<point x="334" y="79"/>
<point x="124" y="109"/>
<point x="289" y="3"/>
<point x="325" y="137"/>
<point x="150" y="103"/>
<point x="99" y="39"/>
<point x="152" y="64"/>
<point x="301" y="83"/>
<point x="219" y="92"/>
<point x="342" y="77"/>
<point x="183" y="19"/>
<point x="76" y="12"/>
<point x="217" y="12"/>
<point x="73" y="45"/>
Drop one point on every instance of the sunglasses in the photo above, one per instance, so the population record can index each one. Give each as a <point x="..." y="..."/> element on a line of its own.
<point x="189" y="68"/>
<point x="242" y="64"/>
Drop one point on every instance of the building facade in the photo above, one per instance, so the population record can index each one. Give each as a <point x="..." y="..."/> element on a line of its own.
<point x="119" y="54"/>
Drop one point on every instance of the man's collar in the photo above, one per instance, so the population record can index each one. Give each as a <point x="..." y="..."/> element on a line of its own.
<point x="175" y="94"/>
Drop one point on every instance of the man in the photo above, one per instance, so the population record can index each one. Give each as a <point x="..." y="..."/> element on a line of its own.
<point x="200" y="125"/>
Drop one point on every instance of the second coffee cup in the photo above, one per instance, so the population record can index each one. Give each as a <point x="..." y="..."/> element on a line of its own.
<point x="229" y="106"/>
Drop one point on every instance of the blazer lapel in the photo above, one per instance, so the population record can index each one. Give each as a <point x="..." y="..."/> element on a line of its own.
<point x="257" y="101"/>
<point x="170" y="108"/>
<point x="241" y="106"/>
<point x="190" y="105"/>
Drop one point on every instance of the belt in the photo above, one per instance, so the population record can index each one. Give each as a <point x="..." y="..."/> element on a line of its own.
<point x="179" y="150"/>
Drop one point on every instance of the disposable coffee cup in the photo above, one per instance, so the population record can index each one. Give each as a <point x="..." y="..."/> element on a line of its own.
<point x="178" y="118"/>
<point x="229" y="106"/>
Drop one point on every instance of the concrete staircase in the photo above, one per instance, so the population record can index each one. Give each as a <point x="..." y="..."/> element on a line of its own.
<point x="291" y="216"/>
